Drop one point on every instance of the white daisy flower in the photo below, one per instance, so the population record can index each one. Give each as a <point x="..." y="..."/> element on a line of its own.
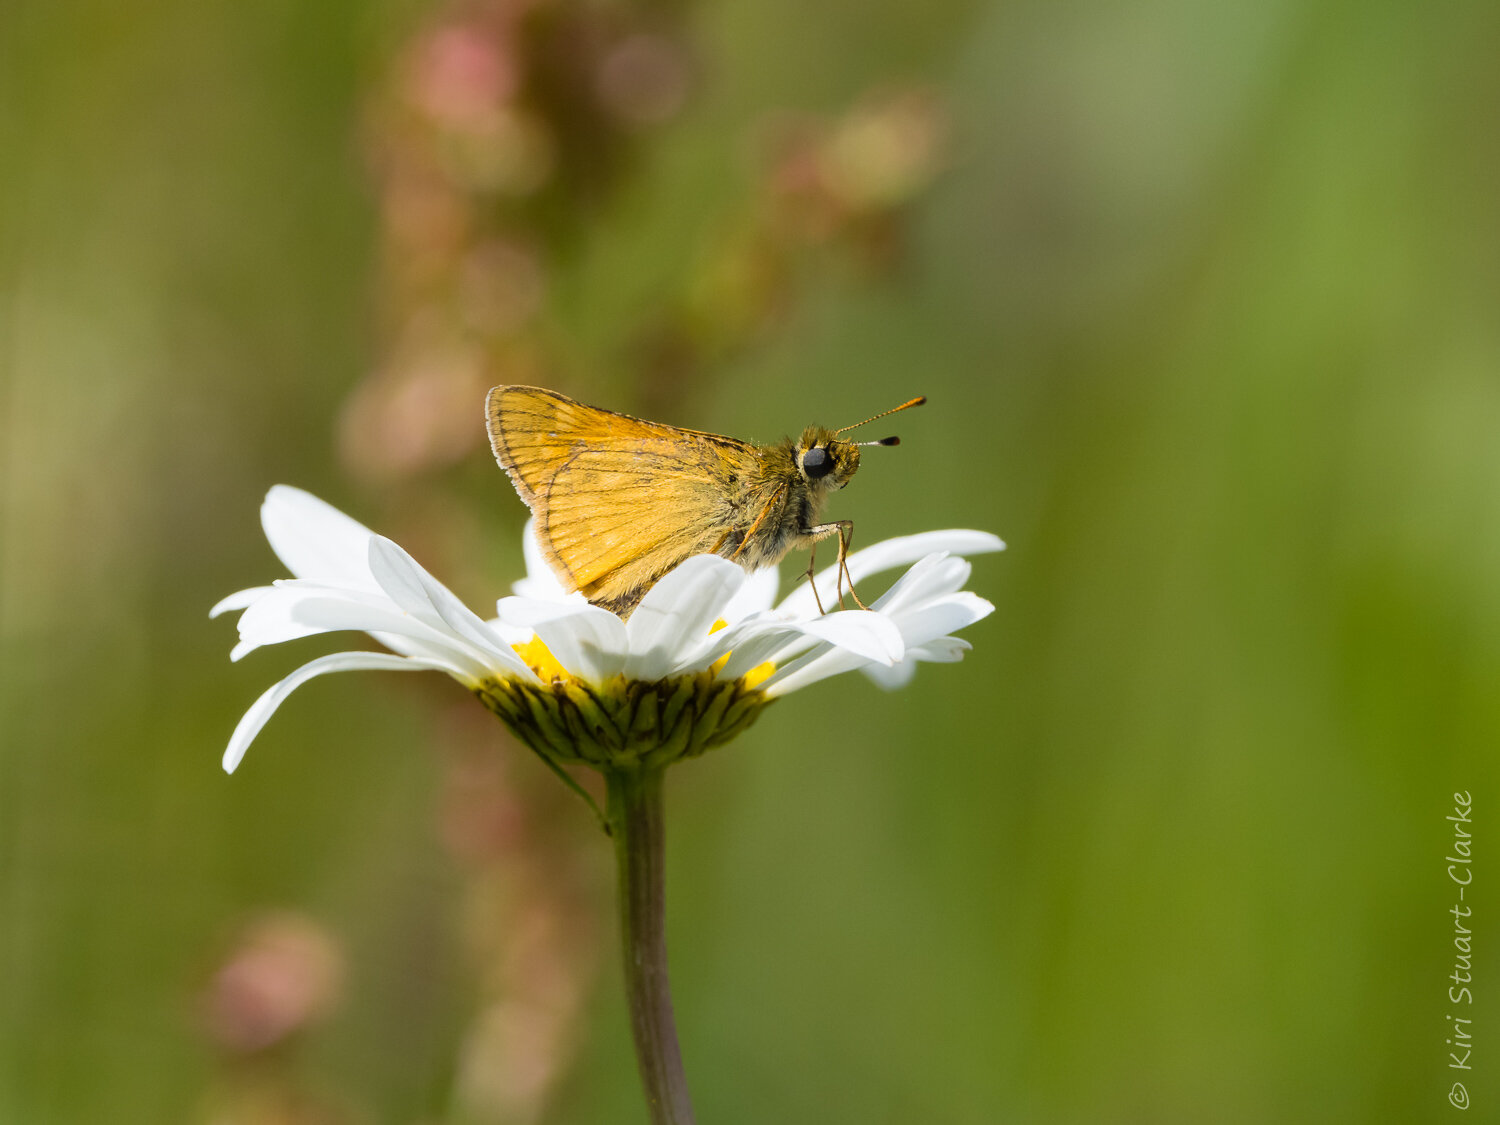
<point x="704" y="652"/>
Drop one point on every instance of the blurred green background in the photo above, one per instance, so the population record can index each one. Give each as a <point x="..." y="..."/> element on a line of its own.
<point x="1207" y="303"/>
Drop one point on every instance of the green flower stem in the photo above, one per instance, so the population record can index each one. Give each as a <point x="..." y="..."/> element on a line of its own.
<point x="635" y="819"/>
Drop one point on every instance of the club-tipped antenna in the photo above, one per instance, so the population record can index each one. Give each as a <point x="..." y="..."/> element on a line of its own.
<point x="918" y="401"/>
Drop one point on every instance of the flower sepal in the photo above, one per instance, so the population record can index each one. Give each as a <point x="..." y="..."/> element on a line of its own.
<point x="623" y="723"/>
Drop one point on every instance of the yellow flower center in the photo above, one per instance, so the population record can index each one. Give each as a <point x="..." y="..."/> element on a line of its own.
<point x="539" y="659"/>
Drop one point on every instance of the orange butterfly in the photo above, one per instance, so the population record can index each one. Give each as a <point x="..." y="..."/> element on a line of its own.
<point x="619" y="501"/>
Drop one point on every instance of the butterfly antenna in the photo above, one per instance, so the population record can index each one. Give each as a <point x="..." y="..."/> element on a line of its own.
<point x="918" y="401"/>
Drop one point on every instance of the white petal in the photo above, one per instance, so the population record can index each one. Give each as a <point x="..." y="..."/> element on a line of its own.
<point x="238" y="600"/>
<point x="900" y="551"/>
<point x="510" y="634"/>
<point x="932" y="577"/>
<point x="541" y="582"/>
<point x="264" y="707"/>
<point x="315" y="540"/>
<point x="464" y="668"/>
<point x="904" y="549"/>
<point x="677" y="613"/>
<point x="767" y="645"/>
<point x="947" y="615"/>
<point x="851" y="650"/>
<point x="429" y="601"/>
<point x="757" y="594"/>
<point x="891" y="678"/>
<point x="865" y="633"/>
<point x="751" y="641"/>
<point x="869" y="635"/>
<point x="590" y="643"/>
<point x="944" y="650"/>
<point x="851" y="634"/>
<point x="272" y="618"/>
<point x="524" y="613"/>
<point x="301" y="610"/>
<point x="811" y="667"/>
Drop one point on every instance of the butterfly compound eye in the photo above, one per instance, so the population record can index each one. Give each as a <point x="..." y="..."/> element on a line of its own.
<point x="817" y="463"/>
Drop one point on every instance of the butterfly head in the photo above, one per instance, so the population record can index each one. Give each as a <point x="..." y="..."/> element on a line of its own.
<point x="824" y="460"/>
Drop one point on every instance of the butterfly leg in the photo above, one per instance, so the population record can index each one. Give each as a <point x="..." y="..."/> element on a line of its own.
<point x="812" y="556"/>
<point x="844" y="529"/>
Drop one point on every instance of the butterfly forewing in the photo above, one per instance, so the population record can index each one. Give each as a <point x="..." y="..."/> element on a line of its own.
<point x="618" y="501"/>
